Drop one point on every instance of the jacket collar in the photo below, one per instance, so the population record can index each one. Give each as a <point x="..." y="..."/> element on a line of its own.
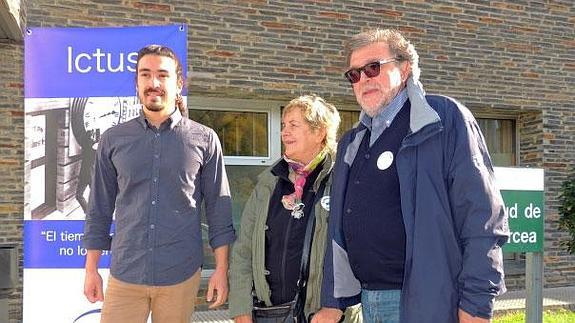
<point x="422" y="114"/>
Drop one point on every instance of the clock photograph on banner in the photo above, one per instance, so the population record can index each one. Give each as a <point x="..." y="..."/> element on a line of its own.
<point x="89" y="118"/>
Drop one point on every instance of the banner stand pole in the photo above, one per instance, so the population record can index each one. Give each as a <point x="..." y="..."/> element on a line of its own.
<point x="534" y="287"/>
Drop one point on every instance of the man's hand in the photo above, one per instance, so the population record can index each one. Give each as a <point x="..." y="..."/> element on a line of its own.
<point x="93" y="287"/>
<point x="218" y="284"/>
<point x="465" y="317"/>
<point x="327" y="315"/>
<point x="243" y="319"/>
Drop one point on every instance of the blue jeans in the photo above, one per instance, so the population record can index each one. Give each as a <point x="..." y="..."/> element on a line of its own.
<point x="380" y="306"/>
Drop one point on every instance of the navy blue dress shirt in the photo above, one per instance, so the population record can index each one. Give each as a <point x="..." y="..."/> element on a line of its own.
<point x="153" y="181"/>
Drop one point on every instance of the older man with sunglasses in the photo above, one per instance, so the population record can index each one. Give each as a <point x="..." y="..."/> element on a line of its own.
<point x="416" y="221"/>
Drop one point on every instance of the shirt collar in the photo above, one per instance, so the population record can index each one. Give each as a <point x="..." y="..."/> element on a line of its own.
<point x="173" y="119"/>
<point x="384" y="118"/>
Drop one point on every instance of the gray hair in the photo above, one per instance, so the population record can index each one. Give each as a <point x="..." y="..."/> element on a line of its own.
<point x="319" y="115"/>
<point x="399" y="47"/>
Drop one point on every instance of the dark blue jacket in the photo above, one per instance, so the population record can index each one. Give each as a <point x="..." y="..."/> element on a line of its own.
<point x="453" y="214"/>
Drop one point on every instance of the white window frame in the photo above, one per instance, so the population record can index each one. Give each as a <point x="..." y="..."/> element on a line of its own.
<point x="270" y="108"/>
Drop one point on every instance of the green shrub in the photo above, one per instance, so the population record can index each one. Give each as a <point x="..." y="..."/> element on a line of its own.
<point x="567" y="212"/>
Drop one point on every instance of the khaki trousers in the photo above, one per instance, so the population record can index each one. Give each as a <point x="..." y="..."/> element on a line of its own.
<point x="131" y="303"/>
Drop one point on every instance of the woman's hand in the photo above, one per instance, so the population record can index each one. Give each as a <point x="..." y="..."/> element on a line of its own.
<point x="327" y="315"/>
<point x="243" y="319"/>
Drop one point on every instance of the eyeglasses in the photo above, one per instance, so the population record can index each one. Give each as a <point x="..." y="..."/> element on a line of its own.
<point x="370" y="69"/>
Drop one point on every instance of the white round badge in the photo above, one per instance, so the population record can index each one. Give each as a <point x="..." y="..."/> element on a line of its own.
<point x="385" y="160"/>
<point x="324" y="201"/>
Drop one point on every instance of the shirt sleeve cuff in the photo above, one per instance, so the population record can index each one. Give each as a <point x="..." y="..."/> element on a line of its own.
<point x="97" y="244"/>
<point x="222" y="240"/>
<point x="485" y="312"/>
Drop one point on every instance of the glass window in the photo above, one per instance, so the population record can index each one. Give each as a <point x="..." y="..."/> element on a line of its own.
<point x="348" y="120"/>
<point x="247" y="132"/>
<point x="241" y="133"/>
<point x="501" y="140"/>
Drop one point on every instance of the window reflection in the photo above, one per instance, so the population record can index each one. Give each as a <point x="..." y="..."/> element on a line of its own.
<point x="241" y="133"/>
<point x="500" y="138"/>
<point x="348" y="120"/>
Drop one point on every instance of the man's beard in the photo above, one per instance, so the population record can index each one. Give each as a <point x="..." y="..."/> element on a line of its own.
<point x="373" y="111"/>
<point x="385" y="100"/>
<point x="155" y="107"/>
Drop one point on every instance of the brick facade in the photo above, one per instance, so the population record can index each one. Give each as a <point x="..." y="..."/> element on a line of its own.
<point x="500" y="58"/>
<point x="12" y="159"/>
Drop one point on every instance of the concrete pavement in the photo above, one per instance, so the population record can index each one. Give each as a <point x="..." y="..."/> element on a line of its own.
<point x="558" y="297"/>
<point x="552" y="298"/>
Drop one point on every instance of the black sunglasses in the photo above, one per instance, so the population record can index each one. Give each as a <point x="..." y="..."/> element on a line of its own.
<point x="370" y="69"/>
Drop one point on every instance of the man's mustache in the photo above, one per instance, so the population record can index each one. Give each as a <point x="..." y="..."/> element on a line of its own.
<point x="369" y="88"/>
<point x="148" y="90"/>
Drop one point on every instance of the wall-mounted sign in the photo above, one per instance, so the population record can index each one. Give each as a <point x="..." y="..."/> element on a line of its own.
<point x="523" y="192"/>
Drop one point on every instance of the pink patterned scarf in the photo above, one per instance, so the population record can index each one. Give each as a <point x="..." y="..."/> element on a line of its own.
<point x="298" y="174"/>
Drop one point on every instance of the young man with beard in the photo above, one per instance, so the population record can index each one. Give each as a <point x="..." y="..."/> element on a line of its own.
<point x="153" y="173"/>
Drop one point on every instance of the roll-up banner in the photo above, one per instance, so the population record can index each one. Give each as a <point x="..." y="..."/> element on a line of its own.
<point x="78" y="82"/>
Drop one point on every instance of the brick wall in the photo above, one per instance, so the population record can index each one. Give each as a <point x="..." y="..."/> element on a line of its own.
<point x="497" y="57"/>
<point x="11" y="158"/>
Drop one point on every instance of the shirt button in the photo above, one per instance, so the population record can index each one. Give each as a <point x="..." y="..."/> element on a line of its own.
<point x="366" y="156"/>
<point x="157" y="135"/>
<point x="153" y="202"/>
<point x="156" y="156"/>
<point x="155" y="179"/>
<point x="348" y="211"/>
<point x="357" y="181"/>
<point x="150" y="249"/>
<point x="152" y="226"/>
